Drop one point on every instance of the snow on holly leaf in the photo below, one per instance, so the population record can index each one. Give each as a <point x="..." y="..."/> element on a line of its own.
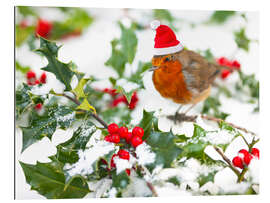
<point x="48" y="179"/>
<point x="61" y="70"/>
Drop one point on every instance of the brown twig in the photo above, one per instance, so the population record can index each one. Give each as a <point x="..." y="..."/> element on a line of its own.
<point x="218" y="120"/>
<point x="241" y="176"/>
<point x="227" y="160"/>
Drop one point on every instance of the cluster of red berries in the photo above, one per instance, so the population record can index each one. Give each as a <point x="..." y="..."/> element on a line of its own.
<point x="32" y="78"/>
<point x="118" y="98"/>
<point x="116" y="134"/>
<point x="38" y="106"/>
<point x="233" y="65"/>
<point x="244" y="157"/>
<point x="43" y="28"/>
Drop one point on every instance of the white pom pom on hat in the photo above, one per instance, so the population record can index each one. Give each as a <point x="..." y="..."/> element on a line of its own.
<point x="155" y="24"/>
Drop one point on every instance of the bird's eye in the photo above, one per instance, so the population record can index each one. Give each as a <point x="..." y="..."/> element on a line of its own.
<point x="167" y="59"/>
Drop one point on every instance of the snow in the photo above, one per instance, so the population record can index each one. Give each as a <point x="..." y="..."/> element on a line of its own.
<point x="88" y="157"/>
<point x="144" y="154"/>
<point x="121" y="164"/>
<point x="137" y="188"/>
<point x="93" y="48"/>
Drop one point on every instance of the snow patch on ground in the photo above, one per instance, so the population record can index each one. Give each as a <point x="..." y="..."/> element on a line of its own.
<point x="144" y="154"/>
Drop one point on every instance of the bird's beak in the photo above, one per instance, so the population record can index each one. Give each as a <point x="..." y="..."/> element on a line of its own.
<point x="153" y="68"/>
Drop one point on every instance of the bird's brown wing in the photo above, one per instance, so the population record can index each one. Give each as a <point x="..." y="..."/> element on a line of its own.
<point x="198" y="72"/>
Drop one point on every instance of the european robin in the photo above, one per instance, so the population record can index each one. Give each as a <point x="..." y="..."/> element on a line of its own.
<point x="180" y="75"/>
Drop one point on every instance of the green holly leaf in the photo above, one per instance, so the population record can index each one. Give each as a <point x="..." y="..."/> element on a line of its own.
<point x="120" y="180"/>
<point x="241" y="39"/>
<point x="137" y="76"/>
<point x="149" y="122"/>
<point x="46" y="124"/>
<point x="122" y="91"/>
<point x="22" y="69"/>
<point x="22" y="34"/>
<point x="27" y="11"/>
<point x="204" y="178"/>
<point x="123" y="50"/>
<point x="220" y="17"/>
<point x="128" y="42"/>
<point x="78" y="90"/>
<point x="163" y="14"/>
<point x="86" y="106"/>
<point x="123" y="113"/>
<point x="48" y="179"/>
<point x="163" y="145"/>
<point x="174" y="180"/>
<point x="67" y="151"/>
<point x="62" y="71"/>
<point x="23" y="99"/>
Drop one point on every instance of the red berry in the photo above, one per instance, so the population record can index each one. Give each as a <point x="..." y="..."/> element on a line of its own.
<point x="134" y="101"/>
<point x="225" y="74"/>
<point x="115" y="138"/>
<point x="43" y="78"/>
<point x="38" y="106"/>
<point x="104" y="161"/>
<point x="123" y="154"/>
<point x="43" y="28"/>
<point x="37" y="82"/>
<point x="242" y="153"/>
<point x="128" y="171"/>
<point x="129" y="137"/>
<point x="113" y="128"/>
<point x="138" y="131"/>
<point x="255" y="152"/>
<point x="136" y="141"/>
<point x="110" y="91"/>
<point x="112" y="161"/>
<point x="30" y="74"/>
<point x="223" y="61"/>
<point x="108" y="138"/>
<point x="123" y="131"/>
<point x="236" y="65"/>
<point x="247" y="158"/>
<point x="238" y="162"/>
<point x="23" y="24"/>
<point x="118" y="100"/>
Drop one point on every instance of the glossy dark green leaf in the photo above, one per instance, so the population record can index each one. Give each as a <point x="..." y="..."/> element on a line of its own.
<point x="120" y="180"/>
<point x="23" y="99"/>
<point x="204" y="178"/>
<point x="149" y="122"/>
<point x="62" y="71"/>
<point x="163" y="145"/>
<point x="48" y="180"/>
<point x="138" y="75"/>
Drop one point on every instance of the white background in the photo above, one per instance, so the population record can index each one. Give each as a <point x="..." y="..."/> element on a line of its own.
<point x="7" y="99"/>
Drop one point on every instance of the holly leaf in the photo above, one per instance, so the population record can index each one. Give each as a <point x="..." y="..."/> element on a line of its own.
<point x="122" y="91"/>
<point x="78" y="90"/>
<point x="62" y="71"/>
<point x="22" y="34"/>
<point x="122" y="113"/>
<point x="163" y="145"/>
<point x="46" y="124"/>
<point x="120" y="180"/>
<point x="86" y="106"/>
<point x="67" y="151"/>
<point x="128" y="42"/>
<point x="241" y="39"/>
<point x="27" y="11"/>
<point x="23" y="99"/>
<point x="48" y="179"/>
<point x="204" y="178"/>
<point x="163" y="14"/>
<point x="220" y="17"/>
<point x="149" y="122"/>
<point x="137" y="76"/>
<point x="22" y="69"/>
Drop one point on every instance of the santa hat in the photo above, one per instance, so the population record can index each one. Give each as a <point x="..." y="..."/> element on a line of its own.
<point x="165" y="40"/>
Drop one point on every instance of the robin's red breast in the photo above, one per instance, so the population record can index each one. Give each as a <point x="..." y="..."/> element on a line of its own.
<point x="181" y="75"/>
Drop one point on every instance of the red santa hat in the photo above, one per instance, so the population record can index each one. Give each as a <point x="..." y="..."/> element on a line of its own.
<point x="165" y="40"/>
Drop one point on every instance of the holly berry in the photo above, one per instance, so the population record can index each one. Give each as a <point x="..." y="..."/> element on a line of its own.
<point x="223" y="61"/>
<point x="113" y="128"/>
<point x="118" y="100"/>
<point x="134" y="100"/>
<point x="115" y="138"/>
<point x="30" y="74"/>
<point x="225" y="74"/>
<point x="255" y="152"/>
<point x="128" y="171"/>
<point x="38" y="106"/>
<point x="236" y="65"/>
<point x="242" y="153"/>
<point x="247" y="158"/>
<point x="37" y="82"/>
<point x="108" y="138"/>
<point x="123" y="154"/>
<point x="129" y="137"/>
<point x="112" y="161"/>
<point x="136" y="141"/>
<point x="43" y="28"/>
<point x="238" y="162"/>
<point x="138" y="131"/>
<point x="123" y="131"/>
<point x="110" y="91"/>
<point x="43" y="78"/>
